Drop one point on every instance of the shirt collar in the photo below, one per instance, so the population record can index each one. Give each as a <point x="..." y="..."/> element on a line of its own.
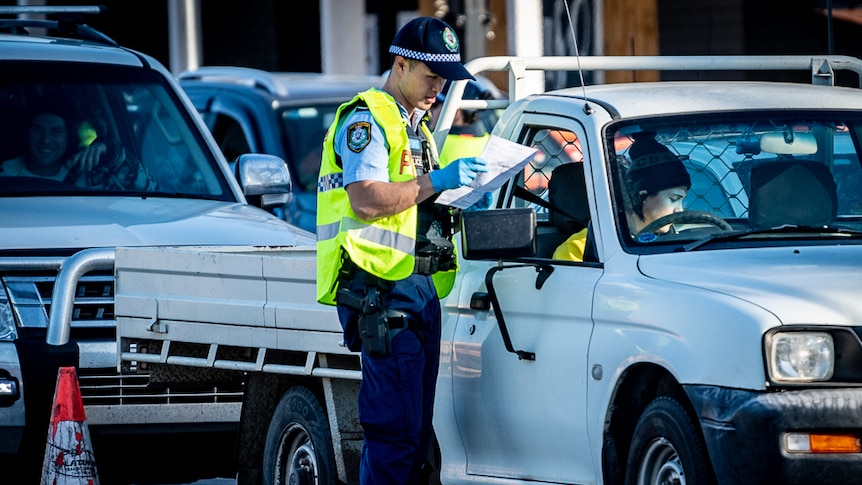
<point x="413" y="122"/>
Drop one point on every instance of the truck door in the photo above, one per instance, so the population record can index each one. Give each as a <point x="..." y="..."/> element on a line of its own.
<point x="520" y="418"/>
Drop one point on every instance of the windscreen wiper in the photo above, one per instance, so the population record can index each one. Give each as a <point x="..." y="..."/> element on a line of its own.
<point x="828" y="231"/>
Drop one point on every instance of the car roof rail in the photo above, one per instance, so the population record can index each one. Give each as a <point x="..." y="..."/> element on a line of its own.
<point x="247" y="76"/>
<point x="68" y="21"/>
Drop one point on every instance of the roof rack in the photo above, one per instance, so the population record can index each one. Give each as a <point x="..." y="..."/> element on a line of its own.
<point x="69" y="21"/>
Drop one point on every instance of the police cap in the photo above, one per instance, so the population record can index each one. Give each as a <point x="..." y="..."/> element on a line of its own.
<point x="432" y="41"/>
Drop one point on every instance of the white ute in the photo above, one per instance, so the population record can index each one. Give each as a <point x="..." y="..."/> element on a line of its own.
<point x="725" y="351"/>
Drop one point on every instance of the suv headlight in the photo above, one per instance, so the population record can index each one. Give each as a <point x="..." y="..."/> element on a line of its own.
<point x="797" y="357"/>
<point x="8" y="330"/>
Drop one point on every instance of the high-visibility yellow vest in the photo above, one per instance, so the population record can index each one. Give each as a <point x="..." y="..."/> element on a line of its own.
<point x="460" y="146"/>
<point x="385" y="247"/>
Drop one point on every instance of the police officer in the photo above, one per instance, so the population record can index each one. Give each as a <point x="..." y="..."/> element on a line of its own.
<point x="381" y="239"/>
<point x="470" y="128"/>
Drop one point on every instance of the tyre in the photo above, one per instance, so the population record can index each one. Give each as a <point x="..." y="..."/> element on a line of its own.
<point x="666" y="448"/>
<point x="298" y="448"/>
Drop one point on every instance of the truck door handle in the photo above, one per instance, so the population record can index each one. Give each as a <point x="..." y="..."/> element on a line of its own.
<point x="479" y="301"/>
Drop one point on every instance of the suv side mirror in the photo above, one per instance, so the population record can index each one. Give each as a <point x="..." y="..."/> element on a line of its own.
<point x="264" y="176"/>
<point x="498" y="233"/>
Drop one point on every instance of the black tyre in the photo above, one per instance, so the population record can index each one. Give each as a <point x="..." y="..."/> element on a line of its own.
<point x="298" y="446"/>
<point x="667" y="448"/>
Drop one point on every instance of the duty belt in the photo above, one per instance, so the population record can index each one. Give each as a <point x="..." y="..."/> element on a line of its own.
<point x="397" y="320"/>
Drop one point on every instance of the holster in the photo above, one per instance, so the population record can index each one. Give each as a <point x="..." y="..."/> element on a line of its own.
<point x="376" y="325"/>
<point x="373" y="324"/>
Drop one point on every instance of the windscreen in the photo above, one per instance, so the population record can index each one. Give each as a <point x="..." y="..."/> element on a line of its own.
<point x="759" y="177"/>
<point x="90" y="130"/>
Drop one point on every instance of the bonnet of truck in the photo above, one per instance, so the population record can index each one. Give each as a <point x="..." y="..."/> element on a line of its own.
<point x="798" y="284"/>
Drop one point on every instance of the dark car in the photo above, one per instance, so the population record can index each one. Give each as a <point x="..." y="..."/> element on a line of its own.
<point x="277" y="113"/>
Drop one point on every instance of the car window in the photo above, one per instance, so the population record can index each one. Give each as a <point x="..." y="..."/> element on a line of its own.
<point x="303" y="131"/>
<point x="553" y="184"/>
<point x="556" y="147"/>
<point x="128" y="122"/>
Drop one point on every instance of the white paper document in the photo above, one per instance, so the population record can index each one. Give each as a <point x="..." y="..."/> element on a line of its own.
<point x="505" y="158"/>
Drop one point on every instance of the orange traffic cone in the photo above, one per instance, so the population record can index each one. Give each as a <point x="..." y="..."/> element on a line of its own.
<point x="69" y="456"/>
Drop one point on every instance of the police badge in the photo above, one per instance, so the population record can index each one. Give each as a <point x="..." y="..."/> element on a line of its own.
<point x="358" y="136"/>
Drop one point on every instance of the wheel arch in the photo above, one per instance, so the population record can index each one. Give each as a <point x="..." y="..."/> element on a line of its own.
<point x="262" y="395"/>
<point x="636" y="388"/>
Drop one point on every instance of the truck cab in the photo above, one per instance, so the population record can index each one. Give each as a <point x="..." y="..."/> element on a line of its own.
<point x="711" y="350"/>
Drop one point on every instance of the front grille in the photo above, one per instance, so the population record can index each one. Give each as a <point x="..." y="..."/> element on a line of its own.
<point x="93" y="307"/>
<point x="93" y="320"/>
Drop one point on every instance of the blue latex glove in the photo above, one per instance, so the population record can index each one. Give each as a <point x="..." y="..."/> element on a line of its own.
<point x="483" y="204"/>
<point x="458" y="173"/>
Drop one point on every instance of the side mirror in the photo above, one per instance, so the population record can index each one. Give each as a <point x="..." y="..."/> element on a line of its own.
<point x="264" y="176"/>
<point x="498" y="234"/>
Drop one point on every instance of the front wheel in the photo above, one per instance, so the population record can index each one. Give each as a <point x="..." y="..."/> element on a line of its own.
<point x="666" y="448"/>
<point x="298" y="446"/>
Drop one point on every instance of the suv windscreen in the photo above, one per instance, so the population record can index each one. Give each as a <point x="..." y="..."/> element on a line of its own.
<point x="765" y="178"/>
<point x="90" y="130"/>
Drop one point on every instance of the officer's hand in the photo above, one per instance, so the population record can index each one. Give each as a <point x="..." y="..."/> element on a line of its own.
<point x="458" y="173"/>
<point x="483" y="204"/>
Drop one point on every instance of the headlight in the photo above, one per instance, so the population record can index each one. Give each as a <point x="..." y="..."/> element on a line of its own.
<point x="801" y="356"/>
<point x="8" y="331"/>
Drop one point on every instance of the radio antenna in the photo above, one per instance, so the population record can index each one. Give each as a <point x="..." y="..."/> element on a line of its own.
<point x="587" y="108"/>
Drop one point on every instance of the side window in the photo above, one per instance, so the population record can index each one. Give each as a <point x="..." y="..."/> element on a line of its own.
<point x="555" y="187"/>
<point x="556" y="147"/>
<point x="230" y="138"/>
<point x="304" y="129"/>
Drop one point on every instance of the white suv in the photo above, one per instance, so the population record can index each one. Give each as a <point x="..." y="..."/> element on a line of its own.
<point x="160" y="181"/>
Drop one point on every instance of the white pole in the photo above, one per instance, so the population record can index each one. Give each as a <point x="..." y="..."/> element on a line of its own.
<point x="525" y="35"/>
<point x="343" y="37"/>
<point x="184" y="34"/>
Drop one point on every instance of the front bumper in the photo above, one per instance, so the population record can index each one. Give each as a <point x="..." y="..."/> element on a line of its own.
<point x="11" y="403"/>
<point x="744" y="433"/>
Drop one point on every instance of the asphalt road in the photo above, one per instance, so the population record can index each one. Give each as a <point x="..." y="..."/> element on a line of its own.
<point x="168" y="459"/>
<point x="209" y="481"/>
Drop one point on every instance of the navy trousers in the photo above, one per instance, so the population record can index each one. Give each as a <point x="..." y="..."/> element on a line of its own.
<point x="396" y="397"/>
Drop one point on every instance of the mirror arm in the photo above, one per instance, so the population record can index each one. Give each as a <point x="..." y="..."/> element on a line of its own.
<point x="504" y="332"/>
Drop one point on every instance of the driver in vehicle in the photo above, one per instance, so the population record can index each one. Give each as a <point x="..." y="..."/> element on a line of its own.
<point x="52" y="156"/>
<point x="48" y="143"/>
<point x="657" y="183"/>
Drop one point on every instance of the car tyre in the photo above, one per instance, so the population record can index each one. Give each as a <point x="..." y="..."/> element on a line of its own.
<point x="298" y="448"/>
<point x="667" y="448"/>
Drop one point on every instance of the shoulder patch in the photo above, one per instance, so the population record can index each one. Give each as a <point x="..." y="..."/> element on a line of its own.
<point x="358" y="136"/>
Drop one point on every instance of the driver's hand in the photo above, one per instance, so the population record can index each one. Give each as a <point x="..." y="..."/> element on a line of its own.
<point x="89" y="157"/>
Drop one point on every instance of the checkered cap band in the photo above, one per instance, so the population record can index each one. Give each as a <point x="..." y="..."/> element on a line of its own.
<point x="424" y="56"/>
